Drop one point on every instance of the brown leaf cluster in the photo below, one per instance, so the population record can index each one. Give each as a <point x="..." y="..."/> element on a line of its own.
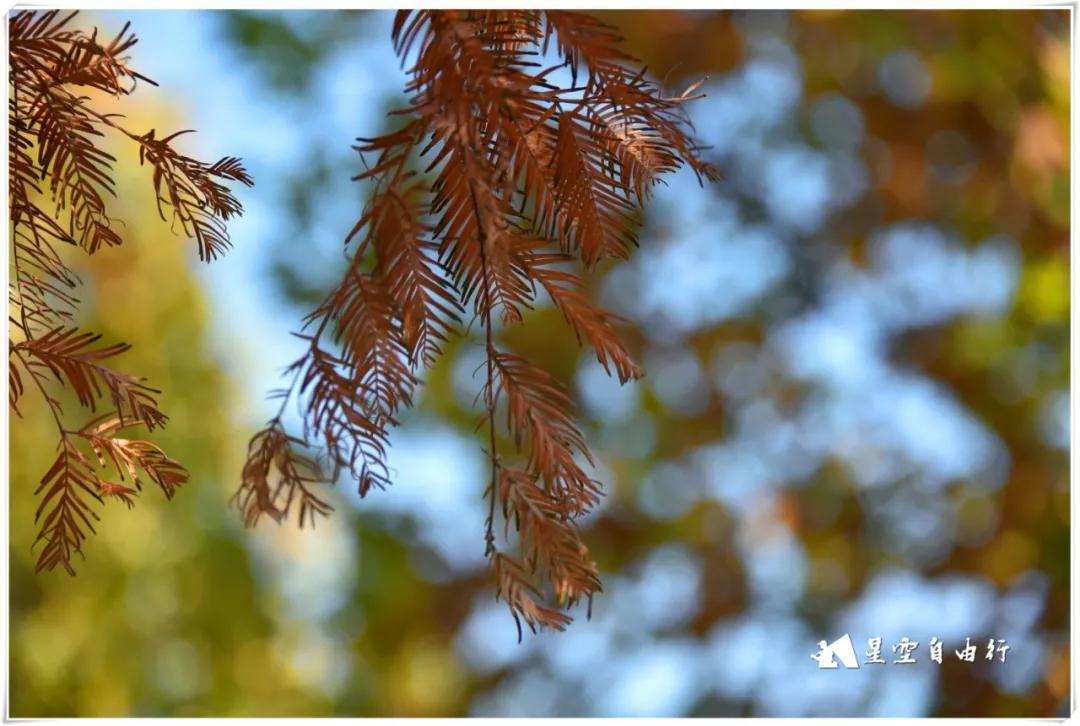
<point x="498" y="186"/>
<point x="60" y="180"/>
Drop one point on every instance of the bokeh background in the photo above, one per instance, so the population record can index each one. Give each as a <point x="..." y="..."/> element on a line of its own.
<point x="855" y="418"/>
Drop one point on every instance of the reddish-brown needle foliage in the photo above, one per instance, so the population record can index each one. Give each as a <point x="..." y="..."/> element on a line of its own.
<point x="59" y="181"/>
<point x="498" y="183"/>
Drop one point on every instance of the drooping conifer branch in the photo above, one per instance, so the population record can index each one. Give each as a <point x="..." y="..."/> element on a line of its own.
<point x="499" y="184"/>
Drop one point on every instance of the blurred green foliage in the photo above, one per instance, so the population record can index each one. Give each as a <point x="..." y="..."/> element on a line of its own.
<point x="165" y="613"/>
<point x="291" y="51"/>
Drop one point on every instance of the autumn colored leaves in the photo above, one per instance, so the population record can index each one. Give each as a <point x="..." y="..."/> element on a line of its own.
<point x="497" y="183"/>
<point x="528" y="145"/>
